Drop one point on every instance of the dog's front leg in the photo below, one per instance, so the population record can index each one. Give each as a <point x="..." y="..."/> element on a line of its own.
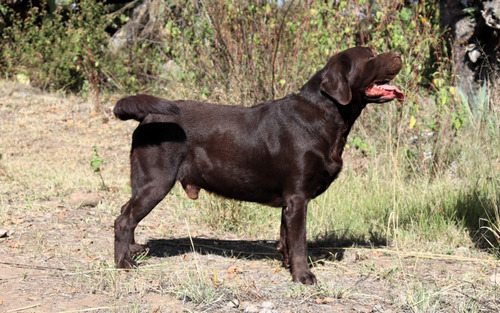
<point x="294" y="235"/>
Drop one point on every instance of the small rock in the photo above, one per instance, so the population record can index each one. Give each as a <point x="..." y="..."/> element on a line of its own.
<point x="233" y="303"/>
<point x="3" y="233"/>
<point x="267" y="305"/>
<point x="81" y="199"/>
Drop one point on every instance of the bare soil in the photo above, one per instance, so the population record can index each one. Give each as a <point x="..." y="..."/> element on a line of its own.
<point x="56" y="238"/>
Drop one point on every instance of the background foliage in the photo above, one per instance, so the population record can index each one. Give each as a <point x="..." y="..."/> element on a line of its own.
<point x="269" y="48"/>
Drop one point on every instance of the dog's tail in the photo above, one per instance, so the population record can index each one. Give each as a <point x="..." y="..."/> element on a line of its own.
<point x="139" y="106"/>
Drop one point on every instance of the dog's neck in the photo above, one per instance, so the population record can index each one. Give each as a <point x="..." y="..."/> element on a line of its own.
<point x="348" y="113"/>
<point x="338" y="119"/>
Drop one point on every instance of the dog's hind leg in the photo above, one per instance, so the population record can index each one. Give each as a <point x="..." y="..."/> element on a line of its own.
<point x="282" y="245"/>
<point x="151" y="181"/>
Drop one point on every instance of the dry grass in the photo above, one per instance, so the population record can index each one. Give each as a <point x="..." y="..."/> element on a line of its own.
<point x="57" y="256"/>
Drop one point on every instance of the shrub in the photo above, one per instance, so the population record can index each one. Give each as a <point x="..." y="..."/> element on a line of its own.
<point x="251" y="49"/>
<point x="54" y="52"/>
<point x="261" y="50"/>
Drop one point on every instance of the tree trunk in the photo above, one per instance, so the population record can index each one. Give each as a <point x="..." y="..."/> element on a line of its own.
<point x="474" y="30"/>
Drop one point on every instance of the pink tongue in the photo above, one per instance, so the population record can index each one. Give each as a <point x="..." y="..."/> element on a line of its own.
<point x="386" y="91"/>
<point x="388" y="87"/>
<point x="398" y="93"/>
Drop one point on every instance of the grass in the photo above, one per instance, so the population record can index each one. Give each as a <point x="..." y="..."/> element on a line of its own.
<point x="196" y="288"/>
<point x="403" y="240"/>
<point x="423" y="299"/>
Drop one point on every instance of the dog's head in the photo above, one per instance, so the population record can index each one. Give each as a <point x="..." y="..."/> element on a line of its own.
<point x="360" y="74"/>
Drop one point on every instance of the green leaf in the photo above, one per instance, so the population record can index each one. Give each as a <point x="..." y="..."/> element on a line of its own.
<point x="95" y="160"/>
<point x="405" y="14"/>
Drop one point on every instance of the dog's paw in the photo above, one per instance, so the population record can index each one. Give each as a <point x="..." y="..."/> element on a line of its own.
<point x="305" y="277"/>
<point x="126" y="263"/>
<point x="136" y="249"/>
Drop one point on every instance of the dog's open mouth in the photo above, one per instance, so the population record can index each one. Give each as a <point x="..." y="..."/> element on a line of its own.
<point x="384" y="92"/>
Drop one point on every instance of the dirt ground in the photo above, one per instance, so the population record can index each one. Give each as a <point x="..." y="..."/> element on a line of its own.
<point x="56" y="238"/>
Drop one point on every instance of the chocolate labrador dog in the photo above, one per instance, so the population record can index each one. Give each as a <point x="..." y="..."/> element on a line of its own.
<point x="281" y="153"/>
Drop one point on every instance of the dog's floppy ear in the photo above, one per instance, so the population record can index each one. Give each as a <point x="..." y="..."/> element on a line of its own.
<point x="335" y="83"/>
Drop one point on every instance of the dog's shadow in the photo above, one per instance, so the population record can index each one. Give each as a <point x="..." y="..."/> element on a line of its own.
<point x="241" y="249"/>
<point x="319" y="250"/>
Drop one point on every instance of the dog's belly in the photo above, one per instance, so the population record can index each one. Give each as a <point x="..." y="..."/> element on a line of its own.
<point x="230" y="188"/>
<point x="262" y="196"/>
<point x="231" y="182"/>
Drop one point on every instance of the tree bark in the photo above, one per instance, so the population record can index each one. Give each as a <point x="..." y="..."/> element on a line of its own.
<point x="474" y="38"/>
